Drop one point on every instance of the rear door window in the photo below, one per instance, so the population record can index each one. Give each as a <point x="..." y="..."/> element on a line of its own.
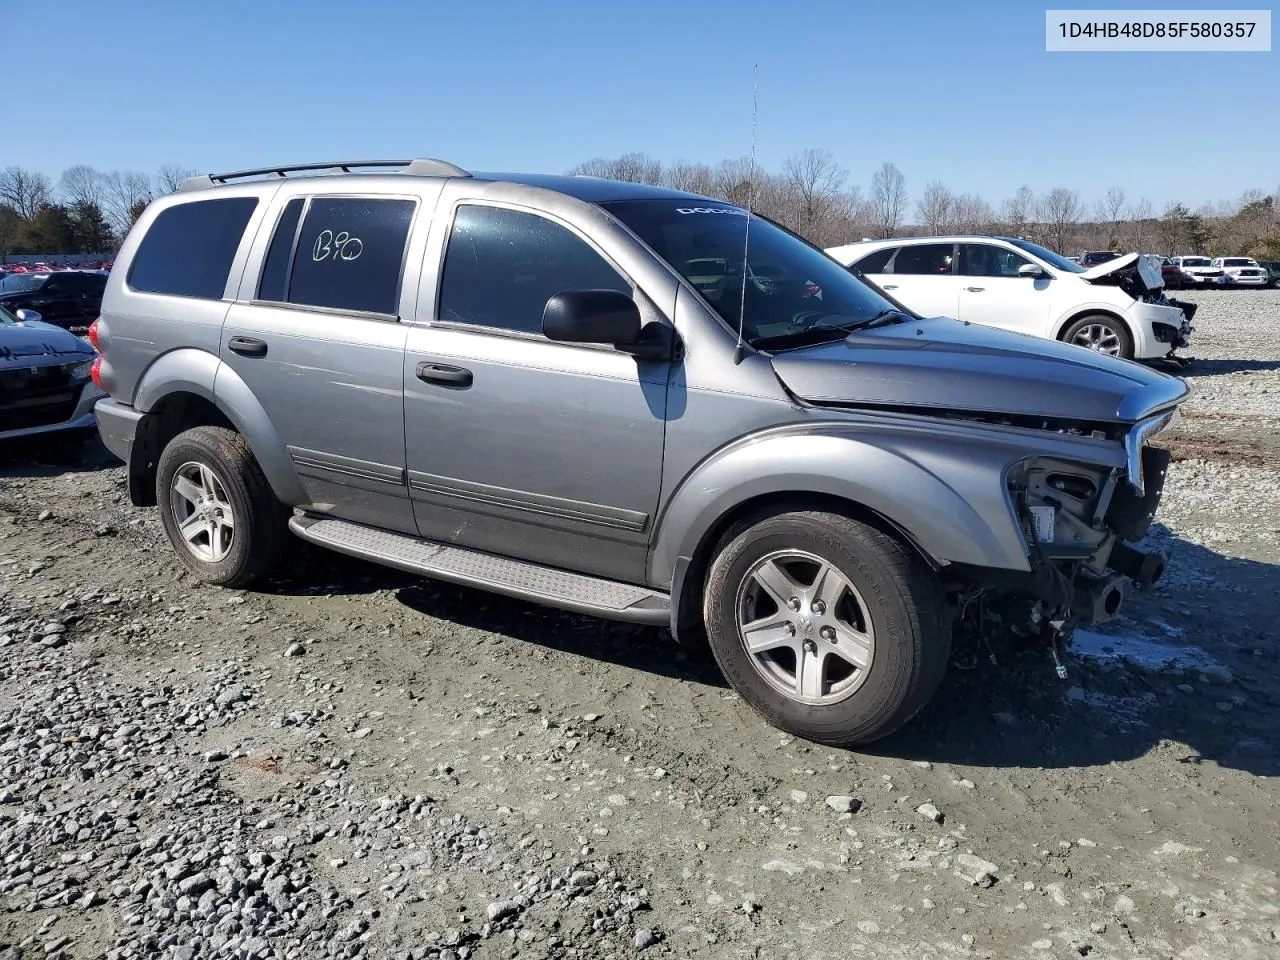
<point x="188" y="250"/>
<point x="927" y="259"/>
<point x="874" y="262"/>
<point x="349" y="255"/>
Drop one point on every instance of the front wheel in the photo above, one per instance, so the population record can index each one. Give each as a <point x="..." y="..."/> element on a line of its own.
<point x="1101" y="333"/>
<point x="829" y="628"/>
<point x="217" y="508"/>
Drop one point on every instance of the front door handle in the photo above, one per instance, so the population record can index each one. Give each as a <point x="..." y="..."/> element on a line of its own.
<point x="890" y="286"/>
<point x="444" y="374"/>
<point x="975" y="289"/>
<point x="247" y="347"/>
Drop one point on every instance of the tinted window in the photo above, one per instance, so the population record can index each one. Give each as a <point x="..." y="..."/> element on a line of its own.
<point x="924" y="258"/>
<point x="987" y="260"/>
<point x="502" y="266"/>
<point x="875" y="262"/>
<point x="189" y="248"/>
<point x="350" y="253"/>
<point x="275" y="270"/>
<point x="1237" y="262"/>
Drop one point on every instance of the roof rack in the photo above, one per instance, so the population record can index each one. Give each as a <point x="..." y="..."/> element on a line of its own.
<point x="422" y="167"/>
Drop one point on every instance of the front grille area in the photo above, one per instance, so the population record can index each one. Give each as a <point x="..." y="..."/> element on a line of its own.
<point x="37" y="397"/>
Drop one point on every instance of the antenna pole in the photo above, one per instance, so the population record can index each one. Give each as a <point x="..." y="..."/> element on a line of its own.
<point x="739" y="351"/>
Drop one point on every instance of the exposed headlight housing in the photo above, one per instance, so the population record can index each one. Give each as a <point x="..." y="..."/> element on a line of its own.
<point x="81" y="370"/>
<point x="1137" y="438"/>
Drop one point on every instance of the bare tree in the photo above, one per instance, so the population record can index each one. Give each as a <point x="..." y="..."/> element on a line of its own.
<point x="1110" y="211"/>
<point x="1060" y="209"/>
<point x="1139" y="217"/>
<point x="736" y="182"/>
<point x="690" y="177"/>
<point x="81" y="184"/>
<point x="813" y="178"/>
<point x="632" y="167"/>
<point x="25" y="190"/>
<point x="933" y="209"/>
<point x="1017" y="211"/>
<point x="124" y="195"/>
<point x="170" y="178"/>
<point x="970" y="214"/>
<point x="888" y="199"/>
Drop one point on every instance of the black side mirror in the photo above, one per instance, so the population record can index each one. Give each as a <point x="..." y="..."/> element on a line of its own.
<point x="604" y="316"/>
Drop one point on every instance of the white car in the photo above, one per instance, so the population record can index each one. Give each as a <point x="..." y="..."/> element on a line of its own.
<point x="1243" y="270"/>
<point x="1118" y="307"/>
<point x="1200" y="272"/>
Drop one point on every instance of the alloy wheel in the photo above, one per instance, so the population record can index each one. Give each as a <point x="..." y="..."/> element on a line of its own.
<point x="202" y="512"/>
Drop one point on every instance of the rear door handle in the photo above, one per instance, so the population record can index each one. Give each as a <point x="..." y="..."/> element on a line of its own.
<point x="247" y="347"/>
<point x="975" y="289"/>
<point x="444" y="374"/>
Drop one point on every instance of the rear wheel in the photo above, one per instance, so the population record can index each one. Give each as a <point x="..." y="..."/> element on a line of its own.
<point x="1101" y="333"/>
<point x="829" y="628"/>
<point x="217" y="508"/>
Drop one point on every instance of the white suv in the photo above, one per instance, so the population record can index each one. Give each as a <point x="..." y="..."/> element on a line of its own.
<point x="1244" y="271"/>
<point x="1201" y="271"/>
<point x="1118" y="307"/>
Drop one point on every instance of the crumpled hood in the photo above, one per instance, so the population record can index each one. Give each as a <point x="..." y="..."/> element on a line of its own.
<point x="1148" y="269"/>
<point x="966" y="367"/>
<point x="21" y="342"/>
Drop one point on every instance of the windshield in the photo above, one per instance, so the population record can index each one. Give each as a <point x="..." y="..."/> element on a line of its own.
<point x="1195" y="261"/>
<point x="20" y="283"/>
<point x="1238" y="262"/>
<point x="1048" y="256"/>
<point x="794" y="293"/>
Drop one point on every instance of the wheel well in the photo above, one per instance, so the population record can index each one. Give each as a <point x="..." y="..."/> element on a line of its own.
<point x="174" y="413"/>
<point x="1066" y="324"/>
<point x="689" y="614"/>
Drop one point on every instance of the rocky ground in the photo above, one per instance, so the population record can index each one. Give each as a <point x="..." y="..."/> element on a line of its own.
<point x="358" y="763"/>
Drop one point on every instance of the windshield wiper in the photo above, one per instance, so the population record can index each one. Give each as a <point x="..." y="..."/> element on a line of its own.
<point x="816" y="333"/>
<point x="881" y="319"/>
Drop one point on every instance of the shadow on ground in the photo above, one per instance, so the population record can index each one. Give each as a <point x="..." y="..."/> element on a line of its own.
<point x="1215" y="368"/>
<point x="49" y="455"/>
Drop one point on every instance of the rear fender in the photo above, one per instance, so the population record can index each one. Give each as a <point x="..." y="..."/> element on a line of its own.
<point x="201" y="373"/>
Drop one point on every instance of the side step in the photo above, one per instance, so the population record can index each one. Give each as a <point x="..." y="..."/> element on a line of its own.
<point x="513" y="578"/>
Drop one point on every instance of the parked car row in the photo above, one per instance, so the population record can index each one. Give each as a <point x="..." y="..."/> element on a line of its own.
<point x="44" y="267"/>
<point x="1117" y="307"/>
<point x="67" y="298"/>
<point x="1199" y="271"/>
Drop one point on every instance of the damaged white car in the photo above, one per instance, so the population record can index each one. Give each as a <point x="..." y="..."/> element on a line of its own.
<point x="1119" y="307"/>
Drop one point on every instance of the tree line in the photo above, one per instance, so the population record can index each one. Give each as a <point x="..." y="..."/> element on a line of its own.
<point x="89" y="211"/>
<point x="86" y="212"/>
<point x="814" y="196"/>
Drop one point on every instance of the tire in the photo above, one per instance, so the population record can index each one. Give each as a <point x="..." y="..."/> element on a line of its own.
<point x="887" y="591"/>
<point x="1096" y="329"/>
<point x="216" y="463"/>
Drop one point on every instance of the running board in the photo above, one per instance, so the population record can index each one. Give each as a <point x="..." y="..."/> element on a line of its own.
<point x="513" y="578"/>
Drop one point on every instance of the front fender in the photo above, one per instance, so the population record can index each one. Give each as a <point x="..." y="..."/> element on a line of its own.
<point x="201" y="373"/>
<point x="944" y="486"/>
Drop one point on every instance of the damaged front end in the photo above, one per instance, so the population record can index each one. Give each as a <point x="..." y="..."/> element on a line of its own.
<point x="1081" y="522"/>
<point x="1140" y="276"/>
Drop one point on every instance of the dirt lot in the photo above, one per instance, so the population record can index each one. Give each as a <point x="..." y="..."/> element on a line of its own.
<point x="355" y="762"/>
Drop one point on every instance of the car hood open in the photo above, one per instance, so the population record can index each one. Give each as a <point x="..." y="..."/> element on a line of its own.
<point x="1142" y="266"/>
<point x="943" y="365"/>
<point x="23" y="342"/>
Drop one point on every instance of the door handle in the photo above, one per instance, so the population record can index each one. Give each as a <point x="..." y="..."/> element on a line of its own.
<point x="247" y="347"/>
<point x="975" y="289"/>
<point x="890" y="286"/>
<point x="444" y="374"/>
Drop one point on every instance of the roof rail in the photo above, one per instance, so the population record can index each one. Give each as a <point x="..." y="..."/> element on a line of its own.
<point x="421" y="167"/>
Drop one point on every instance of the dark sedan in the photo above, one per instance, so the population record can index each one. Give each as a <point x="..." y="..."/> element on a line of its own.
<point x="67" y="298"/>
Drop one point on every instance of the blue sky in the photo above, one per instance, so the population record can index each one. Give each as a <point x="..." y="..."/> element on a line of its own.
<point x="962" y="92"/>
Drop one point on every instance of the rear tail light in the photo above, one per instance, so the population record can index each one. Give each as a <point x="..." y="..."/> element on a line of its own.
<point x="93" y="334"/>
<point x="95" y="373"/>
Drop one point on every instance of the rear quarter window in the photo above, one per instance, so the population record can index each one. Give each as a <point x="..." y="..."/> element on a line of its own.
<point x="188" y="249"/>
<point x="874" y="262"/>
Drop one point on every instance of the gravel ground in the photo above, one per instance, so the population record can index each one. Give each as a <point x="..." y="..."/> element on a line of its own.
<point x="358" y="763"/>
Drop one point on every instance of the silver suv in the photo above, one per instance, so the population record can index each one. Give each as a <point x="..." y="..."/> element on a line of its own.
<point x="622" y="400"/>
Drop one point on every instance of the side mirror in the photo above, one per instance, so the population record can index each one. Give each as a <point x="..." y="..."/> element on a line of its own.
<point x="1031" y="270"/>
<point x="28" y="316"/>
<point x="604" y="316"/>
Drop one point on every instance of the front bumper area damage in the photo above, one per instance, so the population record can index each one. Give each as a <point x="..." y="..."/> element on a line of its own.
<point x="1081" y="523"/>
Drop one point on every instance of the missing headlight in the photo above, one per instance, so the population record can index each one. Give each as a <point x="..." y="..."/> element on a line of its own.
<point x="1073" y="485"/>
